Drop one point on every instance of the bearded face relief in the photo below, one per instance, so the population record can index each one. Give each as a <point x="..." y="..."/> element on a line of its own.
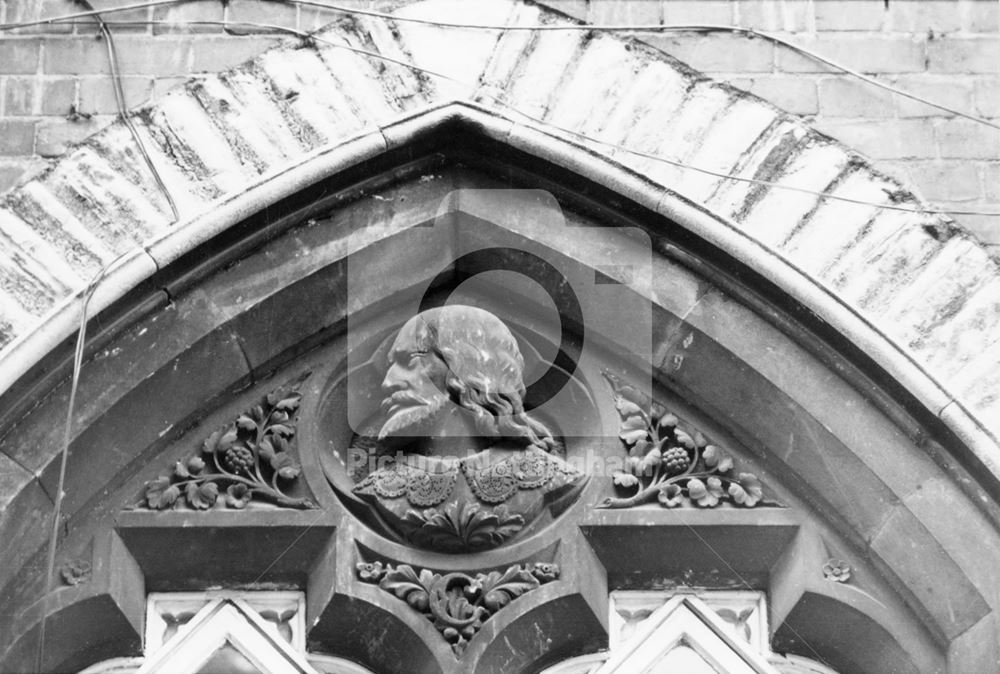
<point x="468" y="469"/>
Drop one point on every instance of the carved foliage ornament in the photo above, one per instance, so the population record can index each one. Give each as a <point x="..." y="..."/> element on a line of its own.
<point x="669" y="464"/>
<point x="457" y="603"/>
<point x="246" y="460"/>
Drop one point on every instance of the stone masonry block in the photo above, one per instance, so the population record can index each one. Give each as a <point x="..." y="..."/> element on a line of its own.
<point x="97" y="94"/>
<point x="941" y="180"/>
<point x="850" y="97"/>
<point x="19" y="96"/>
<point x="866" y="53"/>
<point x="259" y="11"/>
<point x="988" y="96"/>
<point x="950" y="91"/>
<point x="622" y="13"/>
<point x="963" y="138"/>
<point x="212" y="54"/>
<point x="696" y="11"/>
<point x="951" y="54"/>
<point x="884" y="139"/>
<point x="132" y="20"/>
<point x="19" y="56"/>
<point x="774" y="15"/>
<point x="991" y="181"/>
<point x="849" y="15"/>
<point x="17" y="136"/>
<point x="164" y="55"/>
<point x="76" y="55"/>
<point x="939" y="16"/>
<point x="731" y="54"/>
<point x="58" y="96"/>
<point x="196" y="10"/>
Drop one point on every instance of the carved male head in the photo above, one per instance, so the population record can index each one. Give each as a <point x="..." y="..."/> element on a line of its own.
<point x="464" y="356"/>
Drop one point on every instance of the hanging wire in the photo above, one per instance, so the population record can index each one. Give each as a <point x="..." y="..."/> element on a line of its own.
<point x="81" y="337"/>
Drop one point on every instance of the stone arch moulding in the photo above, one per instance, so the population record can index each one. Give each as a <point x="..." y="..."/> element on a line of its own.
<point x="891" y="327"/>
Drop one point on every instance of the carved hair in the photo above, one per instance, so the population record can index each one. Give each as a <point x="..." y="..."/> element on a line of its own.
<point x="485" y="371"/>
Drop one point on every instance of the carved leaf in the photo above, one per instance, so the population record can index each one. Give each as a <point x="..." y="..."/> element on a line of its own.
<point x="245" y="423"/>
<point x="160" y="494"/>
<point x="181" y="470"/>
<point x="403" y="582"/>
<point x="202" y="496"/>
<point x="751" y="487"/>
<point x="624" y="479"/>
<point x="499" y="590"/>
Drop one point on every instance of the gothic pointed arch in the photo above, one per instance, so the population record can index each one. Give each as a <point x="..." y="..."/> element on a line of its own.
<point x="844" y="354"/>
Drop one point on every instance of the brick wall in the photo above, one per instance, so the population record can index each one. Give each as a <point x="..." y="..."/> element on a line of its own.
<point x="54" y="87"/>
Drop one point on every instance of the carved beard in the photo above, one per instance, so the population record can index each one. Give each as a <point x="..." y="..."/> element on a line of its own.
<point x="414" y="420"/>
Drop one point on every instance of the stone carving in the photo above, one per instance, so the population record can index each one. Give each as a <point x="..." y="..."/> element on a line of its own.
<point x="76" y="572"/>
<point x="457" y="603"/>
<point x="837" y="570"/>
<point x="669" y="464"/>
<point x="246" y="460"/>
<point x="461" y="466"/>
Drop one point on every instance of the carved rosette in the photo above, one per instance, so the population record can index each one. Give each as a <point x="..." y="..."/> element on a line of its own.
<point x="670" y="464"/>
<point x="247" y="460"/>
<point x="457" y="603"/>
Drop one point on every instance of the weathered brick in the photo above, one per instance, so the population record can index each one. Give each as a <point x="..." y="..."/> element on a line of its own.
<point x="695" y="11"/>
<point x="849" y="15"/>
<point x="58" y="96"/>
<point x="732" y="54"/>
<point x="75" y="55"/>
<point x="575" y="8"/>
<point x="985" y="227"/>
<point x="991" y="181"/>
<point x="262" y="12"/>
<point x="963" y="138"/>
<point x="20" y="96"/>
<point x="941" y="180"/>
<point x="793" y="93"/>
<point x="774" y="15"/>
<point x="988" y="96"/>
<point x="939" y="16"/>
<point x="884" y="139"/>
<point x="949" y="91"/>
<point x="97" y="94"/>
<point x="17" y="136"/>
<point x="851" y="97"/>
<point x="16" y="170"/>
<point x="164" y="55"/>
<point x="196" y="10"/>
<point x="979" y="17"/>
<point x="56" y="136"/>
<point x="19" y="56"/>
<point x="625" y="13"/>
<point x="212" y="54"/>
<point x="314" y="18"/>
<point x="952" y="54"/>
<point x="34" y="10"/>
<point x="128" y="21"/>
<point x="865" y="53"/>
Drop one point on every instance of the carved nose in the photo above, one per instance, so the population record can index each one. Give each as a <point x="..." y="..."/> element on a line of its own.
<point x="392" y="381"/>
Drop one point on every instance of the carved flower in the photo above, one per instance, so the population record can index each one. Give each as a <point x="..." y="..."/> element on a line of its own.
<point x="545" y="572"/>
<point x="238" y="496"/>
<point x="837" y="570"/>
<point x="370" y="572"/>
